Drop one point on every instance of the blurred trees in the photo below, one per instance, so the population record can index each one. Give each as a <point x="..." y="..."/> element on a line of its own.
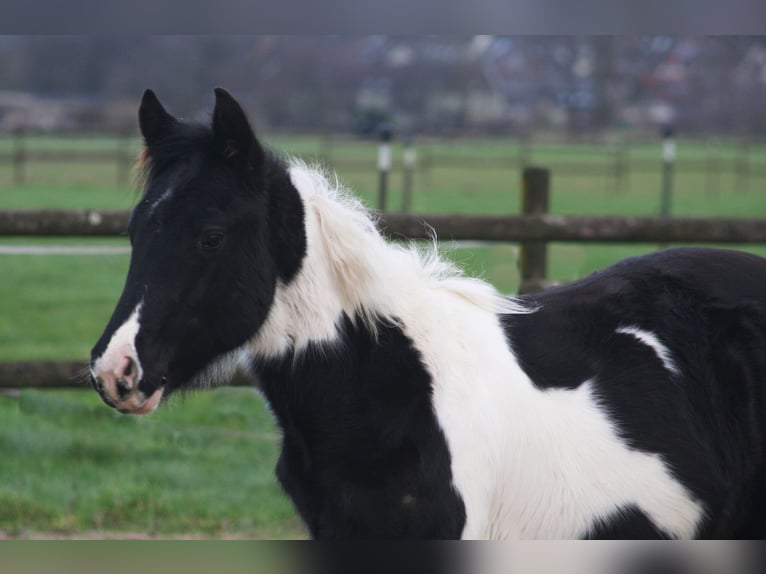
<point x="485" y="83"/>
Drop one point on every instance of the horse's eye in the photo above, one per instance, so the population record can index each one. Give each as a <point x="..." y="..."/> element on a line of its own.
<point x="211" y="239"/>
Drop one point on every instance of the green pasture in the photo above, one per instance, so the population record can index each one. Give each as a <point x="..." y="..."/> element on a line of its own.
<point x="460" y="176"/>
<point x="205" y="464"/>
<point x="71" y="465"/>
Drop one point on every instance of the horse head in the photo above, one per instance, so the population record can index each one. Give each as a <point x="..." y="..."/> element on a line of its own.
<point x="217" y="227"/>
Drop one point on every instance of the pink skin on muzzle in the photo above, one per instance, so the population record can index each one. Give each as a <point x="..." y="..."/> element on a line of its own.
<point x="117" y="372"/>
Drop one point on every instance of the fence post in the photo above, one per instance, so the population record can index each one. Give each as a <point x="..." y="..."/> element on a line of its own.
<point x="713" y="169"/>
<point x="384" y="164"/>
<point x="743" y="165"/>
<point x="523" y="151"/>
<point x="426" y="164"/>
<point x="619" y="165"/>
<point x="533" y="255"/>
<point x="19" y="159"/>
<point x="123" y="159"/>
<point x="325" y="149"/>
<point x="668" y="161"/>
<point x="409" y="158"/>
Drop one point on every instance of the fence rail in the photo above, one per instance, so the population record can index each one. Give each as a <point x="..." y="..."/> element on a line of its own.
<point x="60" y="375"/>
<point x="533" y="230"/>
<point x="495" y="228"/>
<point x="616" y="156"/>
<point x="43" y="374"/>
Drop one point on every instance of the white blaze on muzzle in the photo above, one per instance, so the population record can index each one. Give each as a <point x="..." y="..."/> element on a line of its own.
<point x="119" y="372"/>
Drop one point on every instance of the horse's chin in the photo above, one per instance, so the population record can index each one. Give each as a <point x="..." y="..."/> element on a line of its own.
<point x="136" y="406"/>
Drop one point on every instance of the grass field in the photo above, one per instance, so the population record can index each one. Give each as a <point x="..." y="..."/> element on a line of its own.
<point x="70" y="465"/>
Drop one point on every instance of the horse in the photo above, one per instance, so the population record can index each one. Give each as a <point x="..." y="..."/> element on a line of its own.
<point x="417" y="402"/>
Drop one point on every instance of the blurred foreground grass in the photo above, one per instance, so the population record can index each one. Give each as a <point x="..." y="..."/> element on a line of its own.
<point x="70" y="464"/>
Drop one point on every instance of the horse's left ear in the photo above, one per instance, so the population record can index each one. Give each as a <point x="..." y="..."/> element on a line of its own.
<point x="233" y="135"/>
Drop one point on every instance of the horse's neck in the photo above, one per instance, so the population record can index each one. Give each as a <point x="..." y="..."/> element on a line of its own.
<point x="348" y="270"/>
<point x="372" y="355"/>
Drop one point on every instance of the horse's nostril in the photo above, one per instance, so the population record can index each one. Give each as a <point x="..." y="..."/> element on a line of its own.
<point x="98" y="383"/>
<point x="123" y="388"/>
<point x="127" y="370"/>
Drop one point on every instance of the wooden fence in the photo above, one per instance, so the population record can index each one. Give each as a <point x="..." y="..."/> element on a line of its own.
<point x="615" y="158"/>
<point x="58" y="375"/>
<point x="20" y="155"/>
<point x="491" y="228"/>
<point x="534" y="229"/>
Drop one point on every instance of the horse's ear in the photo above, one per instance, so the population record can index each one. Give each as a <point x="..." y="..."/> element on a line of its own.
<point x="154" y="120"/>
<point x="233" y="135"/>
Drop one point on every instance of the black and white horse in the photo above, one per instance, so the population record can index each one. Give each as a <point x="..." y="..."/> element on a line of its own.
<point x="416" y="402"/>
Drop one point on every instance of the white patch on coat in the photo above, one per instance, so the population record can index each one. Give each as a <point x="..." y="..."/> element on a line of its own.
<point x="121" y="345"/>
<point x="651" y="340"/>
<point x="527" y="463"/>
<point x="223" y="368"/>
<point x="530" y="463"/>
<point x="350" y="268"/>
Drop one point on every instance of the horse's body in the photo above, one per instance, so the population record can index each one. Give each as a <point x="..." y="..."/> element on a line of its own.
<point x="415" y="402"/>
<point x="672" y="347"/>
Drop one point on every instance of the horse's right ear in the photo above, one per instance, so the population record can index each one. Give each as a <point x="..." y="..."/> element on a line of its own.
<point x="233" y="134"/>
<point x="154" y="120"/>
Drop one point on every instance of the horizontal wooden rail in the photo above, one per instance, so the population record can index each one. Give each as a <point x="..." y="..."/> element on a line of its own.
<point x="60" y="375"/>
<point x="501" y="228"/>
<point x="43" y="375"/>
<point x="63" y="223"/>
<point x="580" y="229"/>
<point x="567" y="167"/>
<point x="540" y="228"/>
<point x="60" y="156"/>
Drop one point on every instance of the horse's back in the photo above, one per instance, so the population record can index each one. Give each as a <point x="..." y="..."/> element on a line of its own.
<point x="720" y="275"/>
<point x="681" y="293"/>
<point x="675" y="344"/>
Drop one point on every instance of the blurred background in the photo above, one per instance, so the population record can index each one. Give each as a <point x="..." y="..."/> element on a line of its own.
<point x="651" y="126"/>
<point x="456" y="86"/>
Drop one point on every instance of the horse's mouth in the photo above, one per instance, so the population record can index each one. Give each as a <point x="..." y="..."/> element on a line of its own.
<point x="135" y="403"/>
<point x="142" y="406"/>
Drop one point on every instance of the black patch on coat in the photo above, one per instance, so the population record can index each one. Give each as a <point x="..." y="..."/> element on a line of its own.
<point x="708" y="422"/>
<point x="630" y="523"/>
<point x="363" y="455"/>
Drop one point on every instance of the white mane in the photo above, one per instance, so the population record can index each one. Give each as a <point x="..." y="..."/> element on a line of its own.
<point x="350" y="267"/>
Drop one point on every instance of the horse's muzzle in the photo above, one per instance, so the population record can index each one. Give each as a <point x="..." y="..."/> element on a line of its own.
<point x="119" y="387"/>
